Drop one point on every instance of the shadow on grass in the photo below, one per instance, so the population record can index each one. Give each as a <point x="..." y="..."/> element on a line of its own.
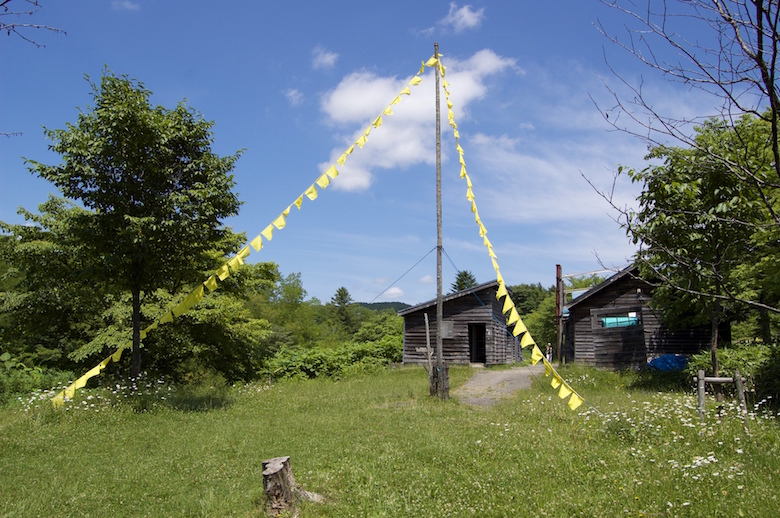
<point x="647" y="379"/>
<point x="200" y="399"/>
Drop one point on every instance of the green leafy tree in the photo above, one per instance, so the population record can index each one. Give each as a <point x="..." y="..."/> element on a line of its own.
<point x="463" y="281"/>
<point x="527" y="297"/>
<point x="541" y="322"/>
<point x="696" y="227"/>
<point x="154" y="191"/>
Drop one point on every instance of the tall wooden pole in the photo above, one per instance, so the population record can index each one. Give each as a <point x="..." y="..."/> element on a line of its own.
<point x="442" y="377"/>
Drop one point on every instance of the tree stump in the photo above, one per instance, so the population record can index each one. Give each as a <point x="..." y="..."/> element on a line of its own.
<point x="281" y="491"/>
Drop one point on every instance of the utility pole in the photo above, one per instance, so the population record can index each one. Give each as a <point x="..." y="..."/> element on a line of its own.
<point x="442" y="374"/>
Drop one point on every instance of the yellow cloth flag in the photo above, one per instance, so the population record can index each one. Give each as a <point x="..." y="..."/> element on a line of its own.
<point x="179" y="309"/>
<point x="495" y="263"/>
<point x="536" y="355"/>
<point x="377" y="122"/>
<point x="342" y="159"/>
<point x="499" y="278"/>
<point x="349" y="150"/>
<point x="211" y="282"/>
<point x="142" y="334"/>
<point x="151" y="327"/>
<point x="564" y="392"/>
<point x="487" y="243"/>
<point x="527" y="340"/>
<point x="360" y="142"/>
<point x="223" y="272"/>
<point x="267" y="233"/>
<point x="556" y="380"/>
<point x="431" y="62"/>
<point x="116" y="356"/>
<point x="298" y="202"/>
<point x="422" y="68"/>
<point x="501" y="292"/>
<point x="332" y="172"/>
<point x="311" y="193"/>
<point x="474" y="207"/>
<point x="520" y="328"/>
<point x="167" y="318"/>
<point x="443" y="69"/>
<point x="416" y="80"/>
<point x="575" y="401"/>
<point x="388" y="111"/>
<point x="396" y="100"/>
<point x="367" y="132"/>
<point x="450" y="114"/>
<point x="257" y="244"/>
<point x="449" y="103"/>
<point x="482" y="232"/>
<point x="323" y="181"/>
<point x="460" y="149"/>
<point x="457" y="134"/>
<point x="508" y="305"/>
<point x="462" y="170"/>
<point x="491" y="253"/>
<point x="244" y="252"/>
<point x="286" y="212"/>
<point x="470" y="195"/>
<point x="280" y="222"/>
<point x="445" y="84"/>
<point x="468" y="182"/>
<point x="548" y="369"/>
<point x="405" y="91"/>
<point x="514" y="317"/>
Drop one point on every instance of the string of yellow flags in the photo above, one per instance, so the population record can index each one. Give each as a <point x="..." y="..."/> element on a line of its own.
<point x="513" y="317"/>
<point x="235" y="262"/>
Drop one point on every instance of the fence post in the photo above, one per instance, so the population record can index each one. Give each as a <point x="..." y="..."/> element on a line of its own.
<point x="740" y="391"/>
<point x="700" y="380"/>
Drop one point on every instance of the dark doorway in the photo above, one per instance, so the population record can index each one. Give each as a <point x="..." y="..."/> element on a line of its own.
<point x="477" y="343"/>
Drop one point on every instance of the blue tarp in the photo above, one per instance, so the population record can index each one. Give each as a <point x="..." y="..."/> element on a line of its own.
<point x="669" y="363"/>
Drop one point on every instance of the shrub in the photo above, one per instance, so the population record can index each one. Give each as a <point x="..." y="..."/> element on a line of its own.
<point x="758" y="363"/>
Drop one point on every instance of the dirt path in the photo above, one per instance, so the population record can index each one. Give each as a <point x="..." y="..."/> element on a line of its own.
<point x="488" y="386"/>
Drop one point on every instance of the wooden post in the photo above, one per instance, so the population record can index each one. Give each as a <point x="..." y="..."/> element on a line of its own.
<point x="740" y="391"/>
<point x="281" y="491"/>
<point x="433" y="388"/>
<point x="441" y="372"/>
<point x="700" y="382"/>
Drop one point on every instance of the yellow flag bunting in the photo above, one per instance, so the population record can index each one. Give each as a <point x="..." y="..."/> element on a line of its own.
<point x="234" y="263"/>
<point x="513" y="317"/>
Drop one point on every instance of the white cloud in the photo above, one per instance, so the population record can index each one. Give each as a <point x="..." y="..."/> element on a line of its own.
<point x="125" y="5"/>
<point x="393" y="293"/>
<point x="406" y="137"/>
<point x="427" y="279"/>
<point x="462" y="18"/>
<point x="294" y="97"/>
<point x="322" y="59"/>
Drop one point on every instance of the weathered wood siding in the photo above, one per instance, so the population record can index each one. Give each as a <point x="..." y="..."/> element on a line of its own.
<point x="460" y="311"/>
<point x="625" y="347"/>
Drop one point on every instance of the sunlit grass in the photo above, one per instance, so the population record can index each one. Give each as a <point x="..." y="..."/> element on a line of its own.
<point x="379" y="446"/>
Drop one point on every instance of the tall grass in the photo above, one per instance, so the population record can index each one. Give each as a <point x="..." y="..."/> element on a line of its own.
<point x="377" y="445"/>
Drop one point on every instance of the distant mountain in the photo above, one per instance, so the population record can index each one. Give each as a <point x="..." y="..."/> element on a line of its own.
<point x="379" y="306"/>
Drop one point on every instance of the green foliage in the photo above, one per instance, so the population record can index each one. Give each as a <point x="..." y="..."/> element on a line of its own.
<point x="527" y="297"/>
<point x="153" y="190"/>
<point x="541" y="323"/>
<point x="463" y="281"/>
<point x="758" y="363"/>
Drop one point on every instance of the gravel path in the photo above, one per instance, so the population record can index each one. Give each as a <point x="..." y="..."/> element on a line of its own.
<point x="488" y="386"/>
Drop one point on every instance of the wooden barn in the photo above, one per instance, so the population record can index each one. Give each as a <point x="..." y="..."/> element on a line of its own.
<point x="613" y="326"/>
<point x="473" y="329"/>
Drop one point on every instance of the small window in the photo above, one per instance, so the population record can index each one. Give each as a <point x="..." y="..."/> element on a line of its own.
<point x="619" y="321"/>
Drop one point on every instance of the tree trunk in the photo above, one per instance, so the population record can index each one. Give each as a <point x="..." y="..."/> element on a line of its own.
<point x="135" y="364"/>
<point x="714" y="339"/>
<point x="281" y="490"/>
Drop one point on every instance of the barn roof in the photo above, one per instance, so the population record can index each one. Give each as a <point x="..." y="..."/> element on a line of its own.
<point x="628" y="271"/>
<point x="451" y="296"/>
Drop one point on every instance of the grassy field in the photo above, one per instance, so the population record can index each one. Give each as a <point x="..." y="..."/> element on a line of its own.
<point x="379" y="446"/>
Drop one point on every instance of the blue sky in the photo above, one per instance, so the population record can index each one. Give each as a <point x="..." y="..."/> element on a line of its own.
<point x="294" y="83"/>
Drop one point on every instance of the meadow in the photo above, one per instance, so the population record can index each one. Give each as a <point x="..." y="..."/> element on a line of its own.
<point x="376" y="445"/>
